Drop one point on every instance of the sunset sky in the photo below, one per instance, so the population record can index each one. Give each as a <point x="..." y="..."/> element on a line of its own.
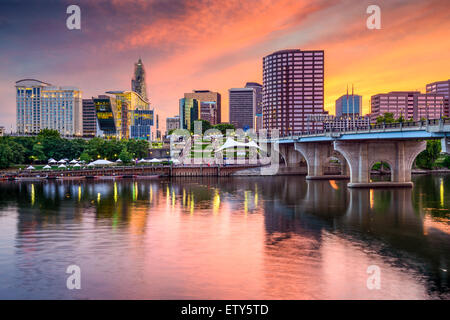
<point x="218" y="45"/>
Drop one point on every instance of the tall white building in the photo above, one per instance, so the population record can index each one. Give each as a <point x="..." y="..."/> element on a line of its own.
<point x="43" y="106"/>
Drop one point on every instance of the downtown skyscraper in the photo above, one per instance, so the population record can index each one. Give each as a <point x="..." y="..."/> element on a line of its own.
<point x="138" y="82"/>
<point x="210" y="104"/>
<point x="41" y="105"/>
<point x="293" y="89"/>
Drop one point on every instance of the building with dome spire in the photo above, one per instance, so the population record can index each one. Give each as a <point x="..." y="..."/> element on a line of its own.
<point x="138" y="81"/>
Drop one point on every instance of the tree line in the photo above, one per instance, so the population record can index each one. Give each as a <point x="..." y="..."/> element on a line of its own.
<point x="49" y="144"/>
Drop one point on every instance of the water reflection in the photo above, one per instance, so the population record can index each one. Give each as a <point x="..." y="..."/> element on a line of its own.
<point x="259" y="237"/>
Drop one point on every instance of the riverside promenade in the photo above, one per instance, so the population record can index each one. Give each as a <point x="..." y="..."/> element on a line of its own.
<point x="130" y="171"/>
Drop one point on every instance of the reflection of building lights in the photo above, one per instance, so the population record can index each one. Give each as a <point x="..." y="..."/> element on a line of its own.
<point x="371" y="200"/>
<point x="115" y="191"/>
<point x="192" y="203"/>
<point x="151" y="194"/>
<point x="167" y="195"/>
<point x="98" y="197"/>
<point x="441" y="192"/>
<point x="184" y="197"/>
<point x="135" y="191"/>
<point x="173" y="198"/>
<point x="32" y="194"/>
<point x="333" y="184"/>
<point x="256" y="195"/>
<point x="216" y="201"/>
<point x="79" y="193"/>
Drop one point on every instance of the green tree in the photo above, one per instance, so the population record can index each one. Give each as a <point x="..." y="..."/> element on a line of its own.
<point x="95" y="148"/>
<point x="427" y="158"/>
<point x="223" y="127"/>
<point x="137" y="148"/>
<point x="400" y="119"/>
<point x="5" y="156"/>
<point x="446" y="162"/>
<point x="85" y="157"/>
<point x="125" y="156"/>
<point x="48" y="133"/>
<point x="387" y="117"/>
<point x="38" y="153"/>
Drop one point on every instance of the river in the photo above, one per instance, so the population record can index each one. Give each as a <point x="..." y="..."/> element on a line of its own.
<point x="224" y="238"/>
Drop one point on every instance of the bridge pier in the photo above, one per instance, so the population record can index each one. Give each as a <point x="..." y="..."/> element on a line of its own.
<point x="317" y="156"/>
<point x="362" y="155"/>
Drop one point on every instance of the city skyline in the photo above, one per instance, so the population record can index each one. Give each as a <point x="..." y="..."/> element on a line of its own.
<point x="375" y="61"/>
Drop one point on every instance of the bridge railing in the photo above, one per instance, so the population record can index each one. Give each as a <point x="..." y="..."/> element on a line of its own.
<point x="368" y="128"/>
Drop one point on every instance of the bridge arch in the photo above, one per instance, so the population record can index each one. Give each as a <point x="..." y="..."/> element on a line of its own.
<point x="317" y="156"/>
<point x="361" y="155"/>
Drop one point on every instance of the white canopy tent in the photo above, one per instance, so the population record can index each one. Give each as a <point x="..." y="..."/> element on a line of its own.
<point x="31" y="168"/>
<point x="101" y="162"/>
<point x="77" y="165"/>
<point x="47" y="167"/>
<point x="230" y="143"/>
<point x="62" y="161"/>
<point x="51" y="160"/>
<point x="154" y="160"/>
<point x="62" y="166"/>
<point x="73" y="161"/>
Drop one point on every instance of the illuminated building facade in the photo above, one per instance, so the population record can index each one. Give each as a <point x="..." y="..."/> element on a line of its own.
<point x="141" y="124"/>
<point x="293" y="89"/>
<point x="43" y="106"/>
<point x="188" y="113"/>
<point x="213" y="115"/>
<point x="116" y="113"/>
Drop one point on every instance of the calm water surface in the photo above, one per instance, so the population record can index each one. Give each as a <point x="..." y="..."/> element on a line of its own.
<point x="227" y="238"/>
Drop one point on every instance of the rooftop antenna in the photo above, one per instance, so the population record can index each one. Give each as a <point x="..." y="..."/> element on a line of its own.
<point x="353" y="106"/>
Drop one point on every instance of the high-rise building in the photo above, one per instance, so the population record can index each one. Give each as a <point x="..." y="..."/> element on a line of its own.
<point x="209" y="112"/>
<point x="257" y="122"/>
<point x="293" y="86"/>
<point x="43" y="106"/>
<point x="441" y="87"/>
<point x="138" y="82"/>
<point x="242" y="107"/>
<point x="89" y="118"/>
<point x="408" y="104"/>
<point x="349" y="105"/>
<point x="141" y="124"/>
<point x="189" y="111"/>
<point x="172" y="123"/>
<point x="214" y="114"/>
<point x="115" y="111"/>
